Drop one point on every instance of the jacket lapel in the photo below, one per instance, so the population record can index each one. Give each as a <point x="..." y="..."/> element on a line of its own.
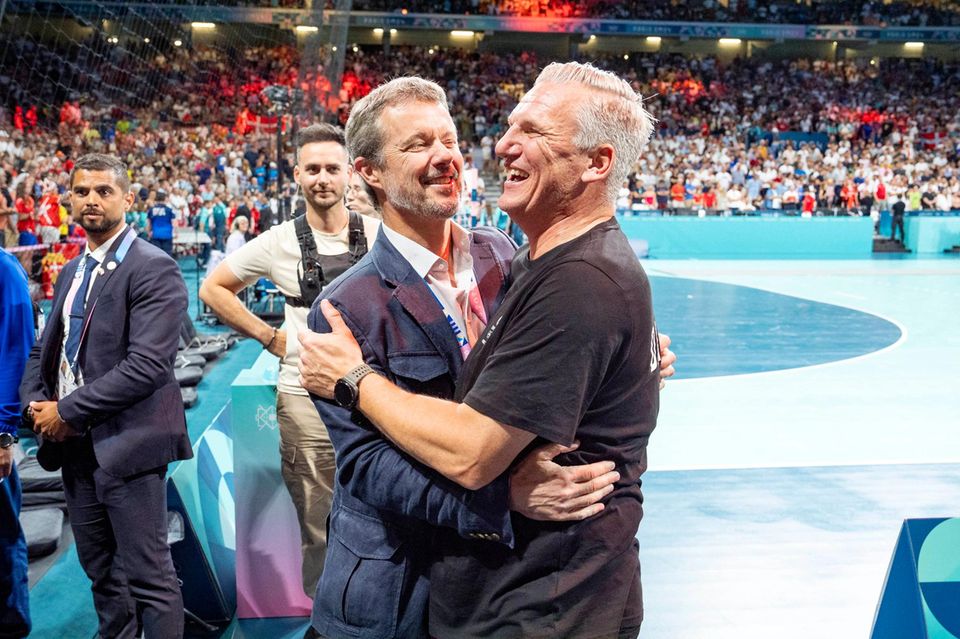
<point x="485" y="270"/>
<point x="104" y="273"/>
<point x="415" y="297"/>
<point x="489" y="274"/>
<point x="56" y="311"/>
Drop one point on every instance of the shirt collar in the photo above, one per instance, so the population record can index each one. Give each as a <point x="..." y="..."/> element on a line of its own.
<point x="101" y="251"/>
<point x="420" y="258"/>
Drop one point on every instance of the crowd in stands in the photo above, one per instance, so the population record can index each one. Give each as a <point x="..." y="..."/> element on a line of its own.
<point x="848" y="136"/>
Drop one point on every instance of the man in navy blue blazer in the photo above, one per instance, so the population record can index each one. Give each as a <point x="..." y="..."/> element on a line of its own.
<point x="102" y="395"/>
<point x="417" y="302"/>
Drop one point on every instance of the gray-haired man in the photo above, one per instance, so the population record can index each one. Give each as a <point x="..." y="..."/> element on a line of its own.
<point x="572" y="354"/>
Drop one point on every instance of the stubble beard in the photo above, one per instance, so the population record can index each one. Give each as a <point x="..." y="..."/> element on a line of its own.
<point x="104" y="226"/>
<point x="406" y="199"/>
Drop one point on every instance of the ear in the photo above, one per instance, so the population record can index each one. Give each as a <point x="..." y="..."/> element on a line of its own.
<point x="369" y="173"/>
<point x="128" y="200"/>
<point x="601" y="163"/>
<point x="296" y="174"/>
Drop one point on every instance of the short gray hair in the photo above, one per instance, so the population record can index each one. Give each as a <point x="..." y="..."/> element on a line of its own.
<point x="363" y="132"/>
<point x="102" y="162"/>
<point x="612" y="114"/>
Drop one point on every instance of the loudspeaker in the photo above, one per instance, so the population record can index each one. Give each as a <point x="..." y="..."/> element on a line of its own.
<point x="202" y="595"/>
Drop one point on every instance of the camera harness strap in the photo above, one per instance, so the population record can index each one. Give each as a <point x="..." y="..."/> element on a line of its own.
<point x="316" y="271"/>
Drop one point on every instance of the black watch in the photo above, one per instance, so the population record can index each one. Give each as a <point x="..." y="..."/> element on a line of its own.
<point x="7" y="440"/>
<point x="347" y="390"/>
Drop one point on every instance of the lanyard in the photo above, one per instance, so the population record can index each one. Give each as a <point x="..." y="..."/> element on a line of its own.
<point x="458" y="333"/>
<point x="473" y="303"/>
<point x="111" y="265"/>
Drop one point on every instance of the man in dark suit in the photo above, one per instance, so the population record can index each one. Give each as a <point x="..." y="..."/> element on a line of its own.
<point x="101" y="392"/>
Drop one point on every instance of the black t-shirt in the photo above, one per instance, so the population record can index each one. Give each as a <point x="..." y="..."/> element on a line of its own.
<point x="570" y="354"/>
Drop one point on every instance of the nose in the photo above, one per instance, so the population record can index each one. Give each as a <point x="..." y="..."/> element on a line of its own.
<point x="442" y="154"/>
<point x="505" y="146"/>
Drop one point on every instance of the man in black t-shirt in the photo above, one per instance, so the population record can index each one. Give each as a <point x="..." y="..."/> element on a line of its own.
<point x="571" y="355"/>
<point x="897" y="223"/>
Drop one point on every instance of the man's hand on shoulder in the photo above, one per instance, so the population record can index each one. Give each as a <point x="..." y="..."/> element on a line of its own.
<point x="544" y="490"/>
<point x="47" y="422"/>
<point x="326" y="357"/>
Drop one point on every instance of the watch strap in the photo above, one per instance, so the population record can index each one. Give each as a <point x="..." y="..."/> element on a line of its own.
<point x="357" y="373"/>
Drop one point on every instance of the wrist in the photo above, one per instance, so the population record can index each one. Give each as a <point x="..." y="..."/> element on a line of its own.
<point x="7" y="440"/>
<point x="346" y="392"/>
<point x="270" y="342"/>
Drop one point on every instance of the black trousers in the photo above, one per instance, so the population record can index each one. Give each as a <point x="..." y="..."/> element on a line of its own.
<point x="897" y="223"/>
<point x="120" y="527"/>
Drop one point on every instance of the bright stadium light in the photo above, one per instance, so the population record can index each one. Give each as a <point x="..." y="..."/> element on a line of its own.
<point x="592" y="37"/>
<point x="306" y="28"/>
<point x="203" y="25"/>
<point x="178" y="43"/>
<point x="730" y="42"/>
<point x="460" y="33"/>
<point x="378" y="31"/>
<point x="393" y="32"/>
<point x="147" y="40"/>
<point x="914" y="46"/>
<point x="653" y="39"/>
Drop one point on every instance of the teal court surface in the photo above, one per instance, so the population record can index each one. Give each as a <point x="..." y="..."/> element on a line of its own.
<point x="816" y="406"/>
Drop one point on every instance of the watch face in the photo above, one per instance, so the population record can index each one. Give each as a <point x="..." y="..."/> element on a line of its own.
<point x="345" y="394"/>
<point x="6" y="440"/>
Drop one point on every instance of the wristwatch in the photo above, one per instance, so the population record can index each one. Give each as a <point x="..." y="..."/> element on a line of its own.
<point x="347" y="389"/>
<point x="7" y="440"/>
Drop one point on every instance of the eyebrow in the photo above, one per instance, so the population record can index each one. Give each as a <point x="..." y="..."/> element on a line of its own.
<point x="95" y="186"/>
<point x="418" y="136"/>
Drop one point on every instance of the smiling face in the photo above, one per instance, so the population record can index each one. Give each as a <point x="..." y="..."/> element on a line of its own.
<point x="98" y="202"/>
<point x="421" y="167"/>
<point x="543" y="166"/>
<point x="321" y="172"/>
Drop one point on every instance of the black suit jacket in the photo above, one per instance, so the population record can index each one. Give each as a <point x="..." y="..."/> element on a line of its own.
<point x="130" y="400"/>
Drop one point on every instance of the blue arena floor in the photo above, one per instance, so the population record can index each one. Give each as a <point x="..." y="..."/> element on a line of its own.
<point x="816" y="406"/>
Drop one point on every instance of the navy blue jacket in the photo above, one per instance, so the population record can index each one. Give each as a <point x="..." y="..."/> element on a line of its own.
<point x="386" y="504"/>
<point x="130" y="400"/>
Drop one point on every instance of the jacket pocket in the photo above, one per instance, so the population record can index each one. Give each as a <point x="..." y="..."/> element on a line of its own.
<point x="363" y="575"/>
<point x="420" y="367"/>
